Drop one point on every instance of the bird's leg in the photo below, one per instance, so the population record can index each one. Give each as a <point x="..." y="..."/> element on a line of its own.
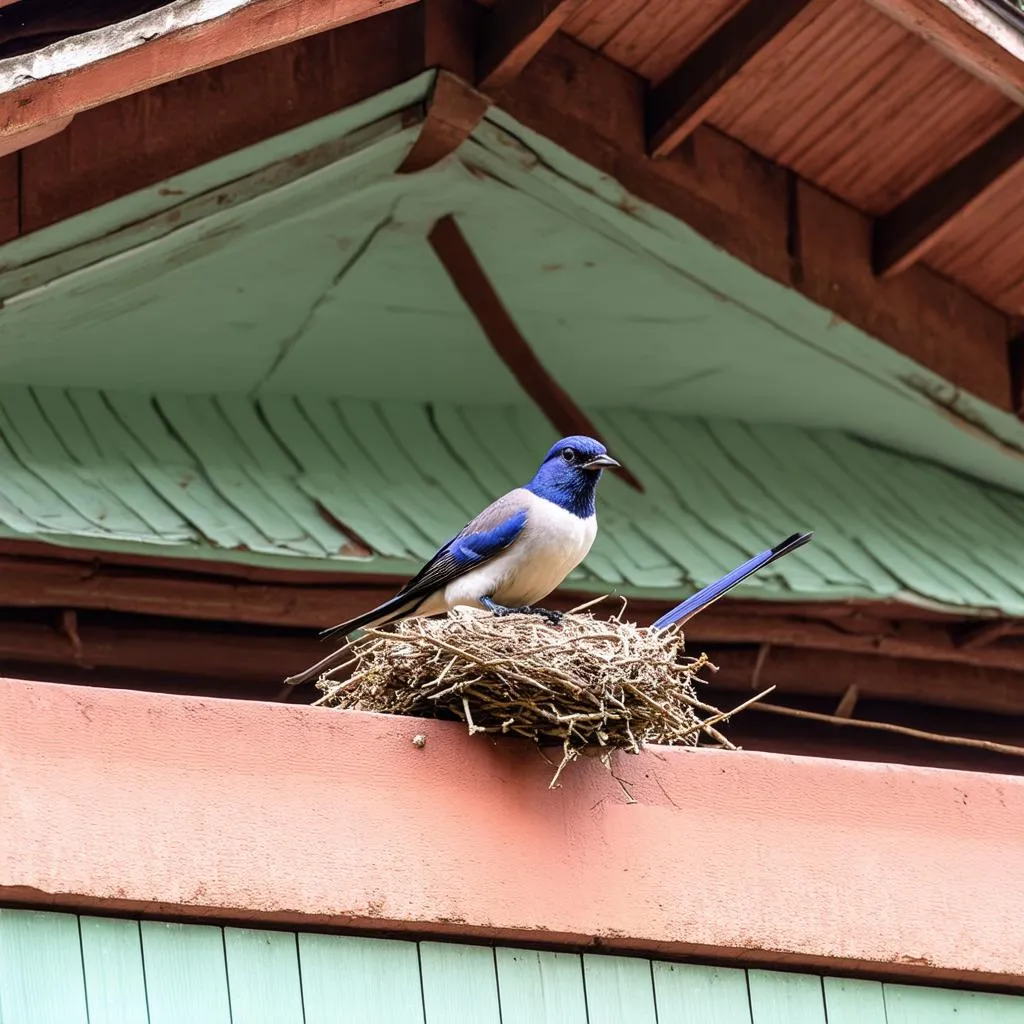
<point x="546" y="614"/>
<point x="499" y="609"/>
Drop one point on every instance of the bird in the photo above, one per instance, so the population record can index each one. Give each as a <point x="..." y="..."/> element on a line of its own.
<point x="512" y="555"/>
<point x="710" y="594"/>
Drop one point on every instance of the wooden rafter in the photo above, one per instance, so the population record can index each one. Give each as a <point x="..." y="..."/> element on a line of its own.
<point x="684" y="99"/>
<point x="969" y="34"/>
<point x="455" y="108"/>
<point x="907" y="233"/>
<point x="471" y="282"/>
<point x="178" y="43"/>
<point x="262" y="656"/>
<point x="513" y="34"/>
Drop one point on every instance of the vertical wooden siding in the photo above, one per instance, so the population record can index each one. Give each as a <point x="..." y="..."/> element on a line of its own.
<point x="64" y="969"/>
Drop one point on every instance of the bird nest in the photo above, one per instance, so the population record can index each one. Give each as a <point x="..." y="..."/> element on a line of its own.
<point x="586" y="683"/>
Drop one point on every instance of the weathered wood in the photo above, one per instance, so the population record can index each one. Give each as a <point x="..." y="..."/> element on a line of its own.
<point x="778" y="997"/>
<point x="460" y="984"/>
<point x="186" y="977"/>
<point x="619" y="988"/>
<point x="471" y="282"/>
<point x="687" y="96"/>
<point x="130" y="143"/>
<point x="115" y="982"/>
<point x="540" y="987"/>
<point x="975" y="636"/>
<point x="692" y="994"/>
<point x="99" y="77"/>
<point x="743" y="203"/>
<point x="377" y="981"/>
<point x="513" y="33"/>
<point x="907" y="233"/>
<point x="10" y="197"/>
<point x="1015" y="357"/>
<point x="782" y="226"/>
<point x="968" y="34"/>
<point x="41" y="974"/>
<point x="30" y="136"/>
<point x="217" y="593"/>
<point x="263" y="976"/>
<point x="454" y="110"/>
<point x="919" y="313"/>
<point x="853" y="1001"/>
<point x="803" y="672"/>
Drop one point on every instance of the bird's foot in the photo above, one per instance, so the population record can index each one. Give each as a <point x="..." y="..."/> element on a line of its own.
<point x="554" y="618"/>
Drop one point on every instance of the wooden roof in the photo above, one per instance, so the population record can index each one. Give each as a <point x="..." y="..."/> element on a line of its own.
<point x="901" y="110"/>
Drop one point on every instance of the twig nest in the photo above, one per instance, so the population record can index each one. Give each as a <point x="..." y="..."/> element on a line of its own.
<point x="587" y="682"/>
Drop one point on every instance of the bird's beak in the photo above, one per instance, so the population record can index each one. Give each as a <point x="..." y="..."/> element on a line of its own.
<point x="600" y="462"/>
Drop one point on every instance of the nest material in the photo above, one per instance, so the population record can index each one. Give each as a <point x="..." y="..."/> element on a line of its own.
<point x="587" y="682"/>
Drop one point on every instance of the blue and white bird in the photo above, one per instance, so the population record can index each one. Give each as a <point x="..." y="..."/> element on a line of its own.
<point x="512" y="555"/>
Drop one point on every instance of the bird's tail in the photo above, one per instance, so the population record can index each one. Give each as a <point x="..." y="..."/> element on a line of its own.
<point x="714" y="591"/>
<point x="383" y="614"/>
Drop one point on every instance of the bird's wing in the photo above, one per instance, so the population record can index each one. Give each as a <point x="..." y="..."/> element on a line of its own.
<point x="487" y="535"/>
<point x="490" y="533"/>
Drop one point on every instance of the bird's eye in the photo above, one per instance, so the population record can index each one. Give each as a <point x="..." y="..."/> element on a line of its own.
<point x="569" y="454"/>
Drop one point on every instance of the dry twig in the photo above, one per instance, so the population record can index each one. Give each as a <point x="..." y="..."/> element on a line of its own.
<point x="586" y="683"/>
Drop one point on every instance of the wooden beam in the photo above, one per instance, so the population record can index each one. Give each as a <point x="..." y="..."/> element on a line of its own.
<point x="781" y="225"/>
<point x="969" y="34"/>
<point x="688" y="95"/>
<point x="32" y="577"/>
<point x="471" y="282"/>
<point x="455" y="108"/>
<point x="110" y="64"/>
<point x="122" y="146"/>
<point x="983" y="635"/>
<point x="907" y="233"/>
<point x="1015" y="358"/>
<point x="804" y="672"/>
<point x="513" y="33"/>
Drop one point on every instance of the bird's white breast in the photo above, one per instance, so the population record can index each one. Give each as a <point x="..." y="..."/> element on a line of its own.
<point x="553" y="542"/>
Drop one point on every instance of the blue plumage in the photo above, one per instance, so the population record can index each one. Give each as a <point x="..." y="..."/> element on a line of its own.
<point x="567" y="483"/>
<point x="711" y="593"/>
<point x="511" y="555"/>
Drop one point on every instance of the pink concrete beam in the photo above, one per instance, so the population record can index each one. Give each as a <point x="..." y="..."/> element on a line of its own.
<point x="151" y="803"/>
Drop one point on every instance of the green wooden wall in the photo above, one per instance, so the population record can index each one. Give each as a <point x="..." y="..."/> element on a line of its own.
<point x="60" y="968"/>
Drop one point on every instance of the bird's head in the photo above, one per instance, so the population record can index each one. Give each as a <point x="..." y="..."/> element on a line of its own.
<point x="569" y="473"/>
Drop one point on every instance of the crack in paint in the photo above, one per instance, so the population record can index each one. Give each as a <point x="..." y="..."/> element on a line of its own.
<point x="289" y="344"/>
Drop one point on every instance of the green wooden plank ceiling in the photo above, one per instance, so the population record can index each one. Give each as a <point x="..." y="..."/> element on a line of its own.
<point x="307" y="481"/>
<point x="262" y="360"/>
<point x="57" y="969"/>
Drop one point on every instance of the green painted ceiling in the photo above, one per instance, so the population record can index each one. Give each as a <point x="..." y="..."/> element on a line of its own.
<point x="300" y="267"/>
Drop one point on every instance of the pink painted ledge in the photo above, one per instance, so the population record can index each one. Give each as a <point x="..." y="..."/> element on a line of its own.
<point x="240" y="811"/>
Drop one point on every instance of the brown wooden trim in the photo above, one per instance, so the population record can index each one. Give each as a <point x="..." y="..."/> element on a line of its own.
<point x="1015" y="359"/>
<point x="999" y="63"/>
<point x="30" y="136"/>
<point x="749" y="206"/>
<point x="514" y="32"/>
<point x="145" y="138"/>
<point x="258" y="26"/>
<point x="157" y="620"/>
<point x="687" y="96"/>
<point x="984" y="634"/>
<point x="477" y="291"/>
<point x="907" y="233"/>
<point x="454" y="110"/>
